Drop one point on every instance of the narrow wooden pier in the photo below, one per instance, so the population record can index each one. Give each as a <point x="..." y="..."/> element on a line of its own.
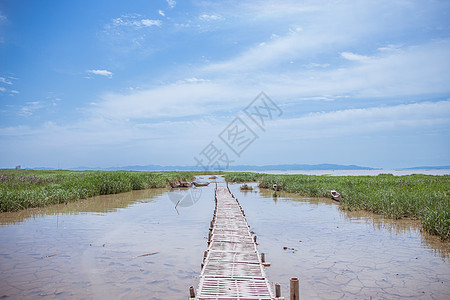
<point x="232" y="267"/>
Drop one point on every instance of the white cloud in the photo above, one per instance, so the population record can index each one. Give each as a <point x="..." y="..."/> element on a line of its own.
<point x="272" y="52"/>
<point x="353" y="56"/>
<point x="5" y="80"/>
<point x="171" y="3"/>
<point x="413" y="70"/>
<point x="182" y="99"/>
<point x="135" y="21"/>
<point x="206" y="17"/>
<point x="336" y="55"/>
<point x="29" y="109"/>
<point x="389" y="120"/>
<point x="193" y="80"/>
<point x="148" y="22"/>
<point x="2" y="89"/>
<point x="129" y="33"/>
<point x="384" y="74"/>
<point x="101" y="72"/>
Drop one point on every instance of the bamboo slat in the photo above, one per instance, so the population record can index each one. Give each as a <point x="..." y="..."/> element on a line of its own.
<point x="232" y="268"/>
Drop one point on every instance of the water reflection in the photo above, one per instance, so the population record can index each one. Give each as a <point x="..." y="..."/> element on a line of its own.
<point x="98" y="204"/>
<point x="378" y="222"/>
<point x="401" y="227"/>
<point x="339" y="254"/>
<point x="100" y="248"/>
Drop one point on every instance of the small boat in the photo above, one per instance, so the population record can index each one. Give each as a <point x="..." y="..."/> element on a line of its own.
<point x="174" y="184"/>
<point x="185" y="184"/>
<point x="335" y="196"/>
<point x="178" y="184"/>
<point x="213" y="177"/>
<point x="246" y="187"/>
<point x="200" y="183"/>
<point x="276" y="187"/>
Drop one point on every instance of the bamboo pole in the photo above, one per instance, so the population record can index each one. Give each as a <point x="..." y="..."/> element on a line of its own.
<point x="277" y="291"/>
<point x="192" y="292"/>
<point x="294" y="289"/>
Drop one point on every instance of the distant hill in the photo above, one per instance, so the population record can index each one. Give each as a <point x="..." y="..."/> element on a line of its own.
<point x="282" y="167"/>
<point x="429" y="168"/>
<point x="302" y="167"/>
<point x="285" y="167"/>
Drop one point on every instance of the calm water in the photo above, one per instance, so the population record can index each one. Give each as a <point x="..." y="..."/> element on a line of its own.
<point x="138" y="245"/>
<point x="362" y="172"/>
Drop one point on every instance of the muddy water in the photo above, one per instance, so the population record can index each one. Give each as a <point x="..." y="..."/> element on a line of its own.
<point x="149" y="245"/>
<point x="345" y="255"/>
<point x="129" y="246"/>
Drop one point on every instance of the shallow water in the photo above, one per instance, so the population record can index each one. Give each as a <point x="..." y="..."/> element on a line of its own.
<point x="438" y="172"/>
<point x="338" y="254"/>
<point x="137" y="245"/>
<point x="128" y="246"/>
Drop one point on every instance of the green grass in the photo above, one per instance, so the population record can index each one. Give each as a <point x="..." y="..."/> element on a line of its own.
<point x="21" y="189"/>
<point x="423" y="197"/>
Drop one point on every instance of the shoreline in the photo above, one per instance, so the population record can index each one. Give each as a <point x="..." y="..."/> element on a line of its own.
<point x="434" y="172"/>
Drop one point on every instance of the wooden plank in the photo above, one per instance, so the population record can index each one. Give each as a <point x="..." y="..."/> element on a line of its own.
<point x="232" y="267"/>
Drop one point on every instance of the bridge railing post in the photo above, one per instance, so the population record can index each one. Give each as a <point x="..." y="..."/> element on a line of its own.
<point x="295" y="295"/>
<point x="191" y="293"/>
<point x="278" y="292"/>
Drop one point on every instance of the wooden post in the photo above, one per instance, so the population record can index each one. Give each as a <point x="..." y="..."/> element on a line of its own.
<point x="263" y="258"/>
<point x="277" y="291"/>
<point x="192" y="292"/>
<point x="294" y="289"/>
<point x="254" y="238"/>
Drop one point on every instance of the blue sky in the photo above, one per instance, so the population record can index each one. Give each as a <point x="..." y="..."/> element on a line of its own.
<point x="113" y="83"/>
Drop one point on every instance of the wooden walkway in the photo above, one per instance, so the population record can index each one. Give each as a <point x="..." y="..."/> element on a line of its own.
<point x="232" y="267"/>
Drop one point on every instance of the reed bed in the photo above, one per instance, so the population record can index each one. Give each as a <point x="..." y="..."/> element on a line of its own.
<point x="21" y="189"/>
<point x="423" y="197"/>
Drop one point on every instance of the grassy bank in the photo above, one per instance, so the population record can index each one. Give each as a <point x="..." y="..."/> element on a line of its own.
<point x="423" y="197"/>
<point x="20" y="189"/>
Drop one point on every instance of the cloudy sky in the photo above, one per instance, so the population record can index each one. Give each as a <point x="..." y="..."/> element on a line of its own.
<point x="114" y="83"/>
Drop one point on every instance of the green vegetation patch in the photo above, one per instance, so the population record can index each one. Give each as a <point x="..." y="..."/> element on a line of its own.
<point x="21" y="189"/>
<point x="423" y="197"/>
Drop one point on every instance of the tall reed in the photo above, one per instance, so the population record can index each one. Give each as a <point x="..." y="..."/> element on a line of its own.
<point x="20" y="189"/>
<point x="423" y="197"/>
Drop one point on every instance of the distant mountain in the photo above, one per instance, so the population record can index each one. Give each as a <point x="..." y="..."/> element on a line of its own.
<point x="429" y="168"/>
<point x="293" y="167"/>
<point x="282" y="167"/>
<point x="285" y="167"/>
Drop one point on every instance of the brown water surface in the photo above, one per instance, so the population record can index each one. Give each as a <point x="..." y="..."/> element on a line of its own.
<point x="339" y="254"/>
<point x="129" y="246"/>
<point x="138" y="246"/>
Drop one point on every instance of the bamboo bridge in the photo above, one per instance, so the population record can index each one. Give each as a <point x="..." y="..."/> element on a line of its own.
<point x="232" y="267"/>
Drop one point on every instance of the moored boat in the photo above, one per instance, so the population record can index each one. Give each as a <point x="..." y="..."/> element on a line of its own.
<point x="335" y="196"/>
<point x="200" y="183"/>
<point x="174" y="184"/>
<point x="185" y="184"/>
<point x="276" y="187"/>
